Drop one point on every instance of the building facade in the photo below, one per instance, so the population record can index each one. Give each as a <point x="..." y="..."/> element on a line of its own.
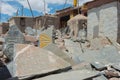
<point x="104" y="19"/>
<point x="46" y="21"/>
<point x="4" y="27"/>
<point x="22" y="22"/>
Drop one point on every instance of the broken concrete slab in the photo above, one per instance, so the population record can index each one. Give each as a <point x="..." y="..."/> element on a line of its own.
<point x="30" y="60"/>
<point x="72" y="75"/>
<point x="53" y="48"/>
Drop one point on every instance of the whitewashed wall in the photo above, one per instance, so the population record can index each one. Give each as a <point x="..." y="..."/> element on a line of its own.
<point x="105" y="18"/>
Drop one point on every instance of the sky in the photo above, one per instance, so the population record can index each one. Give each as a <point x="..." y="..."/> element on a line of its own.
<point x="9" y="8"/>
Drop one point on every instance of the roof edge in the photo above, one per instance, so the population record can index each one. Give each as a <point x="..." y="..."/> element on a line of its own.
<point x="97" y="3"/>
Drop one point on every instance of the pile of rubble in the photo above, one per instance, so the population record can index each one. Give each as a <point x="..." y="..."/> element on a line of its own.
<point x="61" y="59"/>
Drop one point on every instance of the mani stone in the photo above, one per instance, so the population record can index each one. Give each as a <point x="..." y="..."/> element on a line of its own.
<point x="14" y="35"/>
<point x="46" y="37"/>
<point x="30" y="60"/>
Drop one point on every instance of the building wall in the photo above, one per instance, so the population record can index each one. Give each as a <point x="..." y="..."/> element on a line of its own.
<point x="38" y="23"/>
<point x="30" y="22"/>
<point x="4" y="27"/>
<point x="47" y="21"/>
<point x="103" y="21"/>
<point x="22" y="22"/>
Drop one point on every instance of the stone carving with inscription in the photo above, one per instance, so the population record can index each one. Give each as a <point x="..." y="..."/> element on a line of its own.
<point x="13" y="36"/>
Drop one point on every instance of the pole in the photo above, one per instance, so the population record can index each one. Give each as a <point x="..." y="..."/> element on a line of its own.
<point x="78" y="7"/>
<point x="22" y="10"/>
<point x="0" y="10"/>
<point x="44" y="7"/>
<point x="65" y="4"/>
<point x="30" y="9"/>
<point x="17" y="12"/>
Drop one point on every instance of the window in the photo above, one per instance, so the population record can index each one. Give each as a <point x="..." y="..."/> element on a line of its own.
<point x="22" y="21"/>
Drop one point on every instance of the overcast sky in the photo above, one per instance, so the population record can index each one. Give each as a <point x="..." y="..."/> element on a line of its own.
<point x="9" y="7"/>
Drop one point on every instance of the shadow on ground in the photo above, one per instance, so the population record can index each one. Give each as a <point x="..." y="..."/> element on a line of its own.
<point x="4" y="72"/>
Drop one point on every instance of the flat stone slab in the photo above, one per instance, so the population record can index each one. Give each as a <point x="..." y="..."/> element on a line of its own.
<point x="30" y="60"/>
<point x="81" y="66"/>
<point x="53" y="48"/>
<point x="74" y="50"/>
<point x="73" y="47"/>
<point x="101" y="58"/>
<point x="72" y="75"/>
<point x="100" y="78"/>
<point x="116" y="66"/>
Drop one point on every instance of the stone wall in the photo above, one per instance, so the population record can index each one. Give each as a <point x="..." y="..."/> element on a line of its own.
<point x="103" y="21"/>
